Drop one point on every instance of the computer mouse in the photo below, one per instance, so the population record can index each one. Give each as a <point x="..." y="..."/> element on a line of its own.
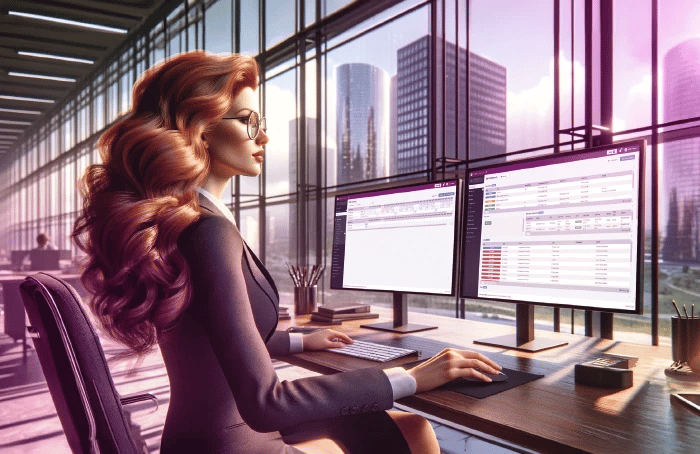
<point x="494" y="378"/>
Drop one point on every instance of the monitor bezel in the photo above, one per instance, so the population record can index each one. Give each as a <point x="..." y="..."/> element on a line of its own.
<point x="639" y="300"/>
<point x="457" y="229"/>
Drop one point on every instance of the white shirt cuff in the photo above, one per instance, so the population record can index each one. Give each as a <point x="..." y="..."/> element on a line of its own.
<point x="402" y="383"/>
<point x="296" y="342"/>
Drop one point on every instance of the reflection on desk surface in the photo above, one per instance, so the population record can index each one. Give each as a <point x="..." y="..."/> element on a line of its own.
<point x="550" y="414"/>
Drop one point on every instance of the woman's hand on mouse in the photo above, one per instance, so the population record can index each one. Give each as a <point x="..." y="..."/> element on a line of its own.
<point x="325" y="339"/>
<point x="450" y="364"/>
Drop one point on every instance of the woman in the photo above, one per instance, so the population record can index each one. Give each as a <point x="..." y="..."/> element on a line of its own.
<point x="167" y="265"/>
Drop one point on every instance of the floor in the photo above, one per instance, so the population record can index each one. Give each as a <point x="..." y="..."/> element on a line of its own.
<point x="29" y="424"/>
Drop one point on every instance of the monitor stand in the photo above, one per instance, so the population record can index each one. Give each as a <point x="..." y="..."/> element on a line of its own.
<point x="524" y="337"/>
<point x="400" y="323"/>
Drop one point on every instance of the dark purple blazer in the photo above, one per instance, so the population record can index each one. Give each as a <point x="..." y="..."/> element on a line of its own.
<point x="224" y="392"/>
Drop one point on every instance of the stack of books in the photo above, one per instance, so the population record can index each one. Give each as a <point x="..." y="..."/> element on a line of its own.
<point x="336" y="315"/>
<point x="284" y="313"/>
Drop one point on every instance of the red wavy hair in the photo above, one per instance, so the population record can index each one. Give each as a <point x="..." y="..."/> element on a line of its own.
<point x="138" y="201"/>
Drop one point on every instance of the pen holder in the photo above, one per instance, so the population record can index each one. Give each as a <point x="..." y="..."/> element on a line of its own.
<point x="685" y="338"/>
<point x="685" y="347"/>
<point x="305" y="299"/>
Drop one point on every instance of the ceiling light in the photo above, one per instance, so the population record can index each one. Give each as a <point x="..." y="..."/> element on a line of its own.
<point x="3" y="136"/>
<point x="41" y="76"/>
<point x="55" y="57"/>
<point x="20" y="111"/>
<point x="26" y="98"/>
<point x="103" y="28"/>
<point x="6" y="130"/>
<point x="16" y="122"/>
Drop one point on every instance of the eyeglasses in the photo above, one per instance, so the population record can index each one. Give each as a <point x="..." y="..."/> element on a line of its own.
<point x="254" y="123"/>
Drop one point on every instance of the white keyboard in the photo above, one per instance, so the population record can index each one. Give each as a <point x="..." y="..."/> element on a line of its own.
<point x="373" y="351"/>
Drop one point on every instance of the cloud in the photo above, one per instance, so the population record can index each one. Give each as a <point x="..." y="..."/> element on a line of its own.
<point x="530" y="112"/>
<point x="637" y="107"/>
<point x="280" y="108"/>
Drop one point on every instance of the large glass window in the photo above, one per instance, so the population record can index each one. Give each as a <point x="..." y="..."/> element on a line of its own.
<point x="572" y="71"/>
<point x="372" y="112"/>
<point x="250" y="28"/>
<point x="279" y="22"/>
<point x="217" y="27"/>
<point x="278" y="253"/>
<point x="511" y="38"/>
<point x="678" y="58"/>
<point x="369" y="88"/>
<point x="157" y="43"/>
<point x="250" y="228"/>
<point x="631" y="64"/>
<point x="282" y="124"/>
<point x="176" y="24"/>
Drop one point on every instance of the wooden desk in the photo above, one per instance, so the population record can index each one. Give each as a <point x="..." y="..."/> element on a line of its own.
<point x="15" y="316"/>
<point x="551" y="414"/>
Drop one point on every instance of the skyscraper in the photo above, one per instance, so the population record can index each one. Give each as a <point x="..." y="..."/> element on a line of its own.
<point x="487" y="98"/>
<point x="681" y="185"/>
<point x="362" y="122"/>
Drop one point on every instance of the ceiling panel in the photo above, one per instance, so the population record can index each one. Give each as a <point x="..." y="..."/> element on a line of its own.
<point x="29" y="34"/>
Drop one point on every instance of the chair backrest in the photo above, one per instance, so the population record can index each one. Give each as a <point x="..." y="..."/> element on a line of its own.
<point x="75" y="368"/>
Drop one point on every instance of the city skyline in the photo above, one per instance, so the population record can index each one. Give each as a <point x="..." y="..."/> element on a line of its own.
<point x="681" y="183"/>
<point x="362" y="122"/>
<point x="411" y="106"/>
<point x="530" y="63"/>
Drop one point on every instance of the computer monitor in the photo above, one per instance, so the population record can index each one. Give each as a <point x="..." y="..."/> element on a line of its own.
<point x="44" y="259"/>
<point x="401" y="240"/>
<point x="562" y="230"/>
<point x="17" y="257"/>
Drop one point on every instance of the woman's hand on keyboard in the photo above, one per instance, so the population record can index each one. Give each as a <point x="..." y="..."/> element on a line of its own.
<point x="325" y="339"/>
<point x="450" y="364"/>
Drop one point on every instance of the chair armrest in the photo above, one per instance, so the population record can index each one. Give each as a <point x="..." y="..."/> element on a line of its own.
<point x="130" y="399"/>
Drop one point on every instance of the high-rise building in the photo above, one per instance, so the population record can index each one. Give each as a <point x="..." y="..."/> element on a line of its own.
<point x="681" y="169"/>
<point x="362" y="122"/>
<point x="487" y="104"/>
<point x="487" y="98"/>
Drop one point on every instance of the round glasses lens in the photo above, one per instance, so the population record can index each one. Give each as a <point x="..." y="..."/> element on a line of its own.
<point x="253" y="125"/>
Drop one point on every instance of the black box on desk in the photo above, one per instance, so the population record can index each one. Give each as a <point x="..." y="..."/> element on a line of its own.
<point x="602" y="376"/>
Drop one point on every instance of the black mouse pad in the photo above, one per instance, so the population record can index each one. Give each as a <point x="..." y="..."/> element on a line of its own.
<point x="479" y="390"/>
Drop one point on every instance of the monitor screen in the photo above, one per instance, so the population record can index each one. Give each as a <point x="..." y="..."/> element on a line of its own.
<point x="17" y="257"/>
<point x="399" y="239"/>
<point x="561" y="230"/>
<point x="45" y="259"/>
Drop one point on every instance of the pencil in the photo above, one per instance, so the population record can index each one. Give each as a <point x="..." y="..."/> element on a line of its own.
<point x="676" y="307"/>
<point x="686" y="312"/>
<point x="692" y="311"/>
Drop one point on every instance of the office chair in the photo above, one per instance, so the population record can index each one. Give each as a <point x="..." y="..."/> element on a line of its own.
<point x="76" y="370"/>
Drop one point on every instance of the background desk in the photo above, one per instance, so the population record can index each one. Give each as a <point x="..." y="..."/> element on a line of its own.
<point x="15" y="316"/>
<point x="551" y="414"/>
